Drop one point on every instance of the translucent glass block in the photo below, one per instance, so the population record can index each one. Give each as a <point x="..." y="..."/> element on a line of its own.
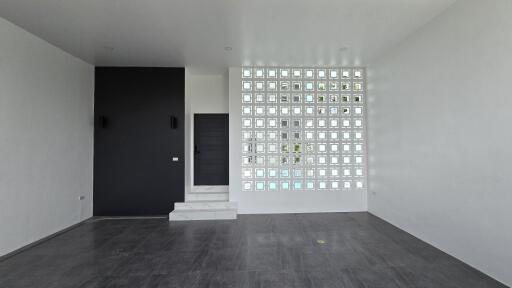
<point x="297" y="160"/>
<point x="272" y="148"/>
<point x="322" y="172"/>
<point x="334" y="98"/>
<point x="296" y="135"/>
<point x="259" y="160"/>
<point x="322" y="135"/>
<point x="309" y="98"/>
<point x="260" y="123"/>
<point x="333" y="74"/>
<point x="346" y="184"/>
<point x="272" y="73"/>
<point x="246" y="135"/>
<point x="346" y="160"/>
<point x="272" y="135"/>
<point x="322" y="185"/>
<point x="246" y="110"/>
<point x="310" y="123"/>
<point x="333" y="123"/>
<point x="297" y="73"/>
<point x="334" y="147"/>
<point x="310" y="111"/>
<point x="272" y="86"/>
<point x="259" y="172"/>
<point x="345" y="74"/>
<point x="334" y="86"/>
<point x="272" y="123"/>
<point x="358" y="147"/>
<point x="346" y="147"/>
<point x="247" y="185"/>
<point x="310" y="160"/>
<point x="272" y="160"/>
<point x="285" y="73"/>
<point x="309" y="73"/>
<point x="358" y="86"/>
<point x="334" y="160"/>
<point x="310" y="173"/>
<point x="346" y="110"/>
<point x="285" y="110"/>
<point x="271" y="98"/>
<point x="321" y="73"/>
<point x="333" y="110"/>
<point x="345" y="98"/>
<point x="284" y="135"/>
<point x="346" y="172"/>
<point x="259" y="98"/>
<point x="309" y="135"/>
<point x="247" y="98"/>
<point x="322" y="86"/>
<point x="260" y="185"/>
<point x="259" y="86"/>
<point x="322" y="147"/>
<point x="285" y="185"/>
<point x="260" y="135"/>
<point x="247" y="173"/>
<point x="297" y="111"/>
<point x="297" y="173"/>
<point x="259" y="73"/>
<point x="310" y="185"/>
<point x="321" y="110"/>
<point x="285" y="173"/>
<point x="345" y="86"/>
<point x="284" y="123"/>
<point x="358" y="110"/>
<point x="358" y="123"/>
<point x="247" y="123"/>
<point x="359" y="171"/>
<point x="358" y="73"/>
<point x="322" y="123"/>
<point x="284" y="98"/>
<point x="358" y="98"/>
<point x="335" y="172"/>
<point x="259" y="110"/>
<point x="346" y="135"/>
<point x="246" y="147"/>
<point x="247" y="160"/>
<point x="321" y="98"/>
<point x="272" y="111"/>
<point x="335" y="184"/>
<point x="297" y="185"/>
<point x="285" y="86"/>
<point x="272" y="186"/>
<point x="309" y="86"/>
<point x="285" y="148"/>
<point x="246" y="73"/>
<point x="345" y="123"/>
<point x="359" y="159"/>
<point x="322" y="160"/>
<point x="272" y="173"/>
<point x="260" y="148"/>
<point x="297" y="86"/>
<point x="310" y="148"/>
<point x="359" y="184"/>
<point x="296" y="98"/>
<point x="297" y="148"/>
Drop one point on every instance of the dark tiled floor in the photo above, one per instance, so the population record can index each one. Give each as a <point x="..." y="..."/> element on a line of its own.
<point x="291" y="250"/>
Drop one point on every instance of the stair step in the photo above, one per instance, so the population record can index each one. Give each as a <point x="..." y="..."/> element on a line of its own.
<point x="200" y="205"/>
<point x="207" y="196"/>
<point x="207" y="189"/>
<point x="204" y="214"/>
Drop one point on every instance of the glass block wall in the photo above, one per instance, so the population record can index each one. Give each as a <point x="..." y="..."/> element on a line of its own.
<point x="303" y="129"/>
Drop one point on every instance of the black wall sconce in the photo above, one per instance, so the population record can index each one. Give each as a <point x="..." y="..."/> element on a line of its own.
<point x="173" y="122"/>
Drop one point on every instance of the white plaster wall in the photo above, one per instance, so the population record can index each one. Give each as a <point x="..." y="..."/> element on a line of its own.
<point x="439" y="134"/>
<point x="204" y="93"/>
<point x="46" y="138"/>
<point x="280" y="201"/>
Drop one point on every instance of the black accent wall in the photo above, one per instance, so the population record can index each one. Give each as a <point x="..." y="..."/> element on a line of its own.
<point x="139" y="128"/>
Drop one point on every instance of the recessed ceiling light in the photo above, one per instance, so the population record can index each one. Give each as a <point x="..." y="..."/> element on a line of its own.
<point x="228" y="48"/>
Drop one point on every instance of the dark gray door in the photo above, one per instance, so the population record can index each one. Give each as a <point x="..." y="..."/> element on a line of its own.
<point x="211" y="149"/>
<point x="139" y="114"/>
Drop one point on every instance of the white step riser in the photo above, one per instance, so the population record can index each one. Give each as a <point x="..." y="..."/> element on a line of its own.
<point x="209" y="189"/>
<point x="202" y="215"/>
<point x="204" y="205"/>
<point x="207" y="197"/>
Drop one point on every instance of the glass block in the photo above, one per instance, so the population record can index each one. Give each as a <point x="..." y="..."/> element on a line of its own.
<point x="359" y="159"/>
<point x="334" y="160"/>
<point x="247" y="173"/>
<point x="272" y="160"/>
<point x="335" y="172"/>
<point x="260" y="148"/>
<point x="259" y="172"/>
<point x="309" y="73"/>
<point x="345" y="98"/>
<point x="358" y="122"/>
<point x="310" y="160"/>
<point x="322" y="172"/>
<point x="246" y="147"/>
<point x="333" y="135"/>
<point x="297" y="148"/>
<point x="310" y="148"/>
<point x="333" y="74"/>
<point x="297" y="185"/>
<point x="321" y="98"/>
<point x="260" y="123"/>
<point x="322" y="147"/>
<point x="333" y="110"/>
<point x="272" y="73"/>
<point x="358" y="73"/>
<point x="309" y="86"/>
<point x="359" y="184"/>
<point x="310" y="173"/>
<point x="334" y="147"/>
<point x="259" y="110"/>
<point x="297" y="73"/>
<point x="310" y="184"/>
<point x="358" y="147"/>
<point x="285" y="73"/>
<point x="247" y="123"/>
<point x="358" y="86"/>
<point x="272" y="185"/>
<point x="346" y="184"/>
<point x="309" y="135"/>
<point x="272" y="111"/>
<point x="322" y="135"/>
<point x="284" y="135"/>
<point x="309" y="98"/>
<point x="285" y="86"/>
<point x="345" y="123"/>
<point x="322" y="123"/>
<point x="272" y="123"/>
<point x="346" y="135"/>
<point x="272" y="147"/>
<point x="297" y="123"/>
<point x="285" y="173"/>
<point x="297" y="173"/>
<point x="321" y="73"/>
<point x="285" y="185"/>
<point x="296" y="135"/>
<point x="259" y="86"/>
<point x="345" y="74"/>
<point x="333" y="123"/>
<point x="259" y="73"/>
<point x="346" y="147"/>
<point x="272" y="135"/>
<point x="247" y="185"/>
<point x="321" y="110"/>
<point x="345" y="86"/>
<point x="334" y="98"/>
<point x="285" y="110"/>
<point x="271" y="98"/>
<point x="272" y="173"/>
<point x="346" y="110"/>
<point x="272" y="86"/>
<point x="359" y="171"/>
<point x="285" y="148"/>
<point x="334" y="86"/>
<point x="284" y="123"/>
<point x="346" y="172"/>
<point x="322" y="185"/>
<point x="247" y="160"/>
<point x="335" y="184"/>
<point x="246" y="135"/>
<point x="259" y="98"/>
<point x="284" y="98"/>
<point x="246" y="73"/>
<point x="260" y="160"/>
<point x="322" y="160"/>
<point x="310" y="111"/>
<point x="246" y="110"/>
<point x="260" y="135"/>
<point x="260" y="185"/>
<point x="321" y="86"/>
<point x="247" y="98"/>
<point x="346" y="160"/>
<point x="358" y="98"/>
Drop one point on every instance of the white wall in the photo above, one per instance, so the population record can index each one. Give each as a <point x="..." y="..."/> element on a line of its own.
<point x="439" y="134"/>
<point x="204" y="93"/>
<point x="46" y="138"/>
<point x="280" y="201"/>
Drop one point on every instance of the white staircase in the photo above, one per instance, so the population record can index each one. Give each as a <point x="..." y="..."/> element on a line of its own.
<point x="205" y="203"/>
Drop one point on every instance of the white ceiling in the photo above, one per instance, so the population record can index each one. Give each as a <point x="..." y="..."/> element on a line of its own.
<point x="194" y="32"/>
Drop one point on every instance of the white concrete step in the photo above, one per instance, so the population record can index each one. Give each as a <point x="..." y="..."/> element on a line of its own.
<point x="206" y="196"/>
<point x="205" y="205"/>
<point x="210" y="189"/>
<point x="206" y="214"/>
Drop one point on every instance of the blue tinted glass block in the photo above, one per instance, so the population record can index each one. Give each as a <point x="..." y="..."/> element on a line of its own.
<point x="297" y="185"/>
<point x="260" y="185"/>
<point x="272" y="186"/>
<point x="285" y="185"/>
<point x="310" y="185"/>
<point x="285" y="173"/>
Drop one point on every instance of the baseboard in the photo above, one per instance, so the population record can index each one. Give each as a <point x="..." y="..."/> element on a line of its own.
<point x="42" y="240"/>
